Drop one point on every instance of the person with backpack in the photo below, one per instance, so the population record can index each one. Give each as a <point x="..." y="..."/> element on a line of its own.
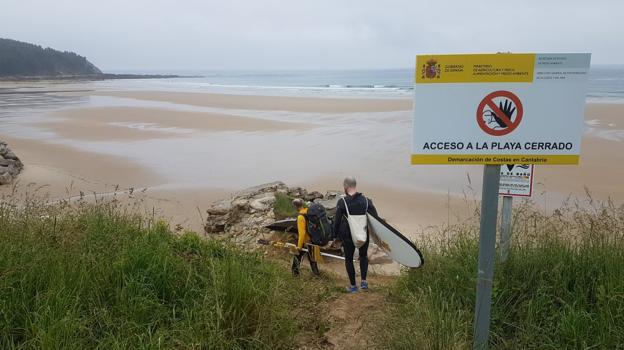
<point x="304" y="238"/>
<point x="350" y="225"/>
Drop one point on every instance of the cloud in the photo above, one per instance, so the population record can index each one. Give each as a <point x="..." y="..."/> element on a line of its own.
<point x="321" y="34"/>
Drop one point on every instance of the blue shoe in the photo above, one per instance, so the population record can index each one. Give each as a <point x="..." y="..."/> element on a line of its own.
<point x="364" y="285"/>
<point x="352" y="289"/>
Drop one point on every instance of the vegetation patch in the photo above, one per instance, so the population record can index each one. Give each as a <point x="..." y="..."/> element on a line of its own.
<point x="562" y="286"/>
<point x="95" y="276"/>
<point x="283" y="207"/>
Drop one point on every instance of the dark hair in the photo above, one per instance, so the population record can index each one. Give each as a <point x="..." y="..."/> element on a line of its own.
<point x="298" y="203"/>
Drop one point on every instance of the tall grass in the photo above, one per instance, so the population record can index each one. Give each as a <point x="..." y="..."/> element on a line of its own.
<point x="96" y="276"/>
<point x="561" y="288"/>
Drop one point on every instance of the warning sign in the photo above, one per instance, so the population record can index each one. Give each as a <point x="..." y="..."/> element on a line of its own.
<point x="499" y="108"/>
<point x="499" y="113"/>
<point x="516" y="180"/>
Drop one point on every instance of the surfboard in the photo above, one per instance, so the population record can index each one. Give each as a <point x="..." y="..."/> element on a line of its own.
<point x="393" y="243"/>
<point x="287" y="225"/>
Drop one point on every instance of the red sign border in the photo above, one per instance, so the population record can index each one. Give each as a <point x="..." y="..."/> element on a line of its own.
<point x="500" y="93"/>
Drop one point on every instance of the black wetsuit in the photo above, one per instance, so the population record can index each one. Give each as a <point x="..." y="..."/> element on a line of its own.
<point x="357" y="206"/>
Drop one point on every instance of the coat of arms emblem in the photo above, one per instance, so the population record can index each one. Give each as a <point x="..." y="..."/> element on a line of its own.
<point x="430" y="70"/>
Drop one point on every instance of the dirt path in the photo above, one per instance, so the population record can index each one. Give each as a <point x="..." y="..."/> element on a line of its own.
<point x="350" y="318"/>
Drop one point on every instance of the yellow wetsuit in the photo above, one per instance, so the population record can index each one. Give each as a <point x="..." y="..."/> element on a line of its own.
<point x="304" y="237"/>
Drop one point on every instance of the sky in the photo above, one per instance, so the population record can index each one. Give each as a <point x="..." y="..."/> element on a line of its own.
<point x="316" y="34"/>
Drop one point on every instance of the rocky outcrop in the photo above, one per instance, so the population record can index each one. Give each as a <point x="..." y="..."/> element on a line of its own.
<point x="247" y="212"/>
<point x="244" y="216"/>
<point x="10" y="165"/>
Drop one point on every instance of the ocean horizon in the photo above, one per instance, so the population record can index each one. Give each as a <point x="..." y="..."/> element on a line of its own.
<point x="606" y="82"/>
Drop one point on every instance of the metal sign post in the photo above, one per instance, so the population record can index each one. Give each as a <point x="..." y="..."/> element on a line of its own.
<point x="497" y="118"/>
<point x="487" y="253"/>
<point x="505" y="232"/>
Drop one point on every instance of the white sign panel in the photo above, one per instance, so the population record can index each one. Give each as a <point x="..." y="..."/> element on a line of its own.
<point x="499" y="108"/>
<point x="516" y="180"/>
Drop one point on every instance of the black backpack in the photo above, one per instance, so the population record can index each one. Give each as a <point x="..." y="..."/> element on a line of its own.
<point x="319" y="226"/>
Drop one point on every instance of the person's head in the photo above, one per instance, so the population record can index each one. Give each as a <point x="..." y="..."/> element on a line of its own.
<point x="349" y="185"/>
<point x="297" y="203"/>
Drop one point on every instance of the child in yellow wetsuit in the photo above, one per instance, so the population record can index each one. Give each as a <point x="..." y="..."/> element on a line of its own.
<point x="304" y="238"/>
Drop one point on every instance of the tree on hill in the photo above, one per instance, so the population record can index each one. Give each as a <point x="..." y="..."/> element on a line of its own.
<point x="23" y="59"/>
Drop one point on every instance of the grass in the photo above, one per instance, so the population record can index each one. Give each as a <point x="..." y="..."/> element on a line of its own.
<point x="76" y="276"/>
<point x="561" y="288"/>
<point x="96" y="276"/>
<point x="283" y="207"/>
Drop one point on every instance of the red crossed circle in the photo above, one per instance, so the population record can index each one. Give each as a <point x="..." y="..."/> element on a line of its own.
<point x="489" y="102"/>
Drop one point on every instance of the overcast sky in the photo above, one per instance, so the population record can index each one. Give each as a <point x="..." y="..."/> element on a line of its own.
<point x="316" y="34"/>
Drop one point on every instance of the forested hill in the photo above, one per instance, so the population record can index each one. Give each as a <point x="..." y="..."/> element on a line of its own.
<point x="20" y="59"/>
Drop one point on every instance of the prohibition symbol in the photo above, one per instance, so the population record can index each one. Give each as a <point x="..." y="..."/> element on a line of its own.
<point x="499" y="113"/>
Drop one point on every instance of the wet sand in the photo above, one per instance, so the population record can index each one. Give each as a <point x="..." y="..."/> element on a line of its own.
<point x="277" y="103"/>
<point x="98" y="149"/>
<point x="128" y="123"/>
<point x="59" y="165"/>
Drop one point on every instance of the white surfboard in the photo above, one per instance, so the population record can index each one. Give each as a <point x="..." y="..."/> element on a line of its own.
<point x="393" y="243"/>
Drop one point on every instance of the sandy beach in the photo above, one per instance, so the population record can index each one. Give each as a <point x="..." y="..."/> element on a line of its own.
<point x="190" y="149"/>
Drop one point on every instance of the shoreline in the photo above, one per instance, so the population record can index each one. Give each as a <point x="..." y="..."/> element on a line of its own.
<point x="187" y="160"/>
<point x="90" y="77"/>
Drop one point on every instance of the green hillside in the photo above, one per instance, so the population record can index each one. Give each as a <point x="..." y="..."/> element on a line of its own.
<point x="19" y="59"/>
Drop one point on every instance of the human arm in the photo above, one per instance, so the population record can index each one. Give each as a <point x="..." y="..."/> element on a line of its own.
<point x="338" y="218"/>
<point x="371" y="208"/>
<point x="301" y="229"/>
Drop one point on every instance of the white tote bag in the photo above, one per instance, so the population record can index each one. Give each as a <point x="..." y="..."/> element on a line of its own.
<point x="357" y="225"/>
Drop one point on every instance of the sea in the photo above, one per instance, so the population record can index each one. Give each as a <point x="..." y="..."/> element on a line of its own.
<point x="235" y="159"/>
<point x="606" y="82"/>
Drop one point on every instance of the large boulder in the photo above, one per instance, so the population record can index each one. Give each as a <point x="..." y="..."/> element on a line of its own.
<point x="246" y="211"/>
<point x="251" y="209"/>
<point x="10" y="164"/>
<point x="329" y="201"/>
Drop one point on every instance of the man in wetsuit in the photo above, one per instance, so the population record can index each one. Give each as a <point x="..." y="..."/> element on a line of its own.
<point x="357" y="204"/>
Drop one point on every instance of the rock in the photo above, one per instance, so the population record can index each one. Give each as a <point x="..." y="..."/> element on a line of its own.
<point x="377" y="256"/>
<point x="264" y="188"/>
<point x="220" y="208"/>
<point x="14" y="170"/>
<point x="240" y="202"/>
<point x="329" y="201"/>
<point x="333" y="195"/>
<point x="10" y="165"/>
<point x="246" y="211"/>
<point x="263" y="203"/>
<point x="329" y="204"/>
<point x="10" y="155"/>
<point x="312" y="196"/>
<point x="298" y="192"/>
<point x="5" y="178"/>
